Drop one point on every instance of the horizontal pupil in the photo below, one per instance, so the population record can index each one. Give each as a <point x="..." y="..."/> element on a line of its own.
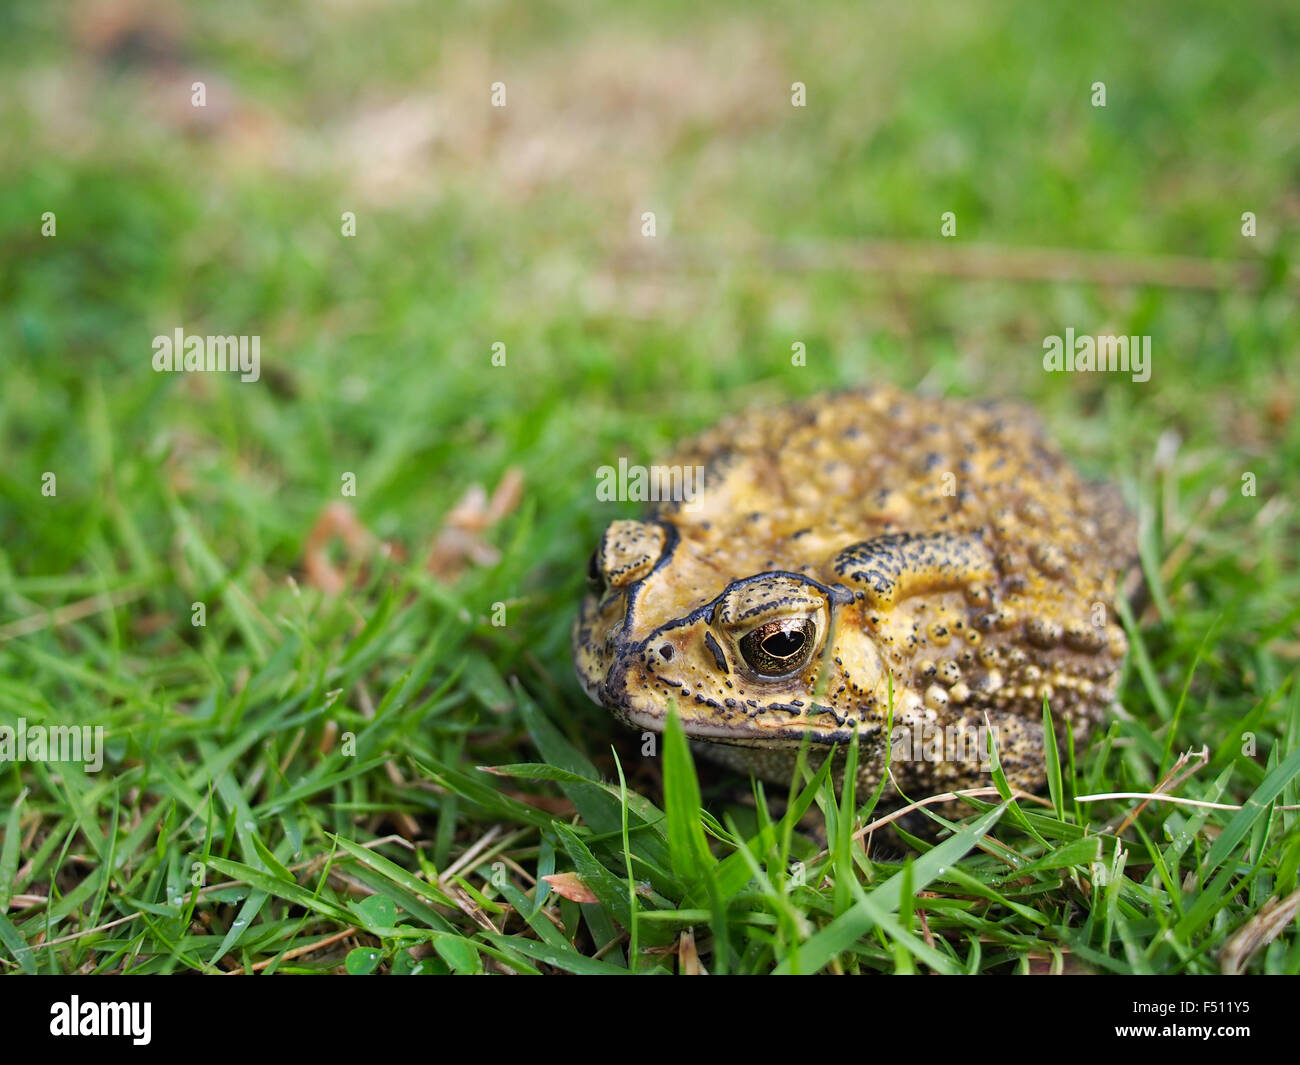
<point x="783" y="644"/>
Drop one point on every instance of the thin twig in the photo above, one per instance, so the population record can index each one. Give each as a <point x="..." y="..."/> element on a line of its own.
<point x="1178" y="772"/>
<point x="970" y="261"/>
<point x="1153" y="797"/>
<point x="947" y="796"/>
<point x="297" y="952"/>
<point x="89" y="931"/>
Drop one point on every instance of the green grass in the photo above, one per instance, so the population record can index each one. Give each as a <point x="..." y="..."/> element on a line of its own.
<point x="307" y="769"/>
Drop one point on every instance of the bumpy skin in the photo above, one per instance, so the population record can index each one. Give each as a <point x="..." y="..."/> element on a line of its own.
<point x="940" y="546"/>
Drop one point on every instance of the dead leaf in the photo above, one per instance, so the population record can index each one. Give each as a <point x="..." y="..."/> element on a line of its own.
<point x="340" y="521"/>
<point x="570" y="886"/>
<point x="460" y="540"/>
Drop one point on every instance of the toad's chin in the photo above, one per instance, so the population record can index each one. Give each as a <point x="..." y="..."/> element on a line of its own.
<point x="652" y="719"/>
<point x="744" y="733"/>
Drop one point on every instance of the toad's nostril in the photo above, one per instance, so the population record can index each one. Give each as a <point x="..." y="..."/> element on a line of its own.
<point x="666" y="652"/>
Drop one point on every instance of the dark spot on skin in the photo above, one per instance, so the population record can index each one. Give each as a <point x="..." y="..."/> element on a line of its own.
<point x="716" y="651"/>
<point x="819" y="708"/>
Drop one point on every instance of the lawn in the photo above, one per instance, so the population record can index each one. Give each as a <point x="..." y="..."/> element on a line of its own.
<point x="334" y="741"/>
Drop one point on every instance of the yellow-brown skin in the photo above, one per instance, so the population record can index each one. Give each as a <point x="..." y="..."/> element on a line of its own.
<point x="876" y="535"/>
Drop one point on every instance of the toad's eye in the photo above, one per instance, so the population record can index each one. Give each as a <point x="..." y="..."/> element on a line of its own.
<point x="595" y="578"/>
<point x="779" y="648"/>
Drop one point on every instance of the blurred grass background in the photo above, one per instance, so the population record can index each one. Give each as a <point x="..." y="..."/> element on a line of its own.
<point x="521" y="225"/>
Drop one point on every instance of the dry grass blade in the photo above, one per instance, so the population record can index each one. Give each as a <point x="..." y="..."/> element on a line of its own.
<point x="688" y="957"/>
<point x="65" y="615"/>
<point x="1258" y="932"/>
